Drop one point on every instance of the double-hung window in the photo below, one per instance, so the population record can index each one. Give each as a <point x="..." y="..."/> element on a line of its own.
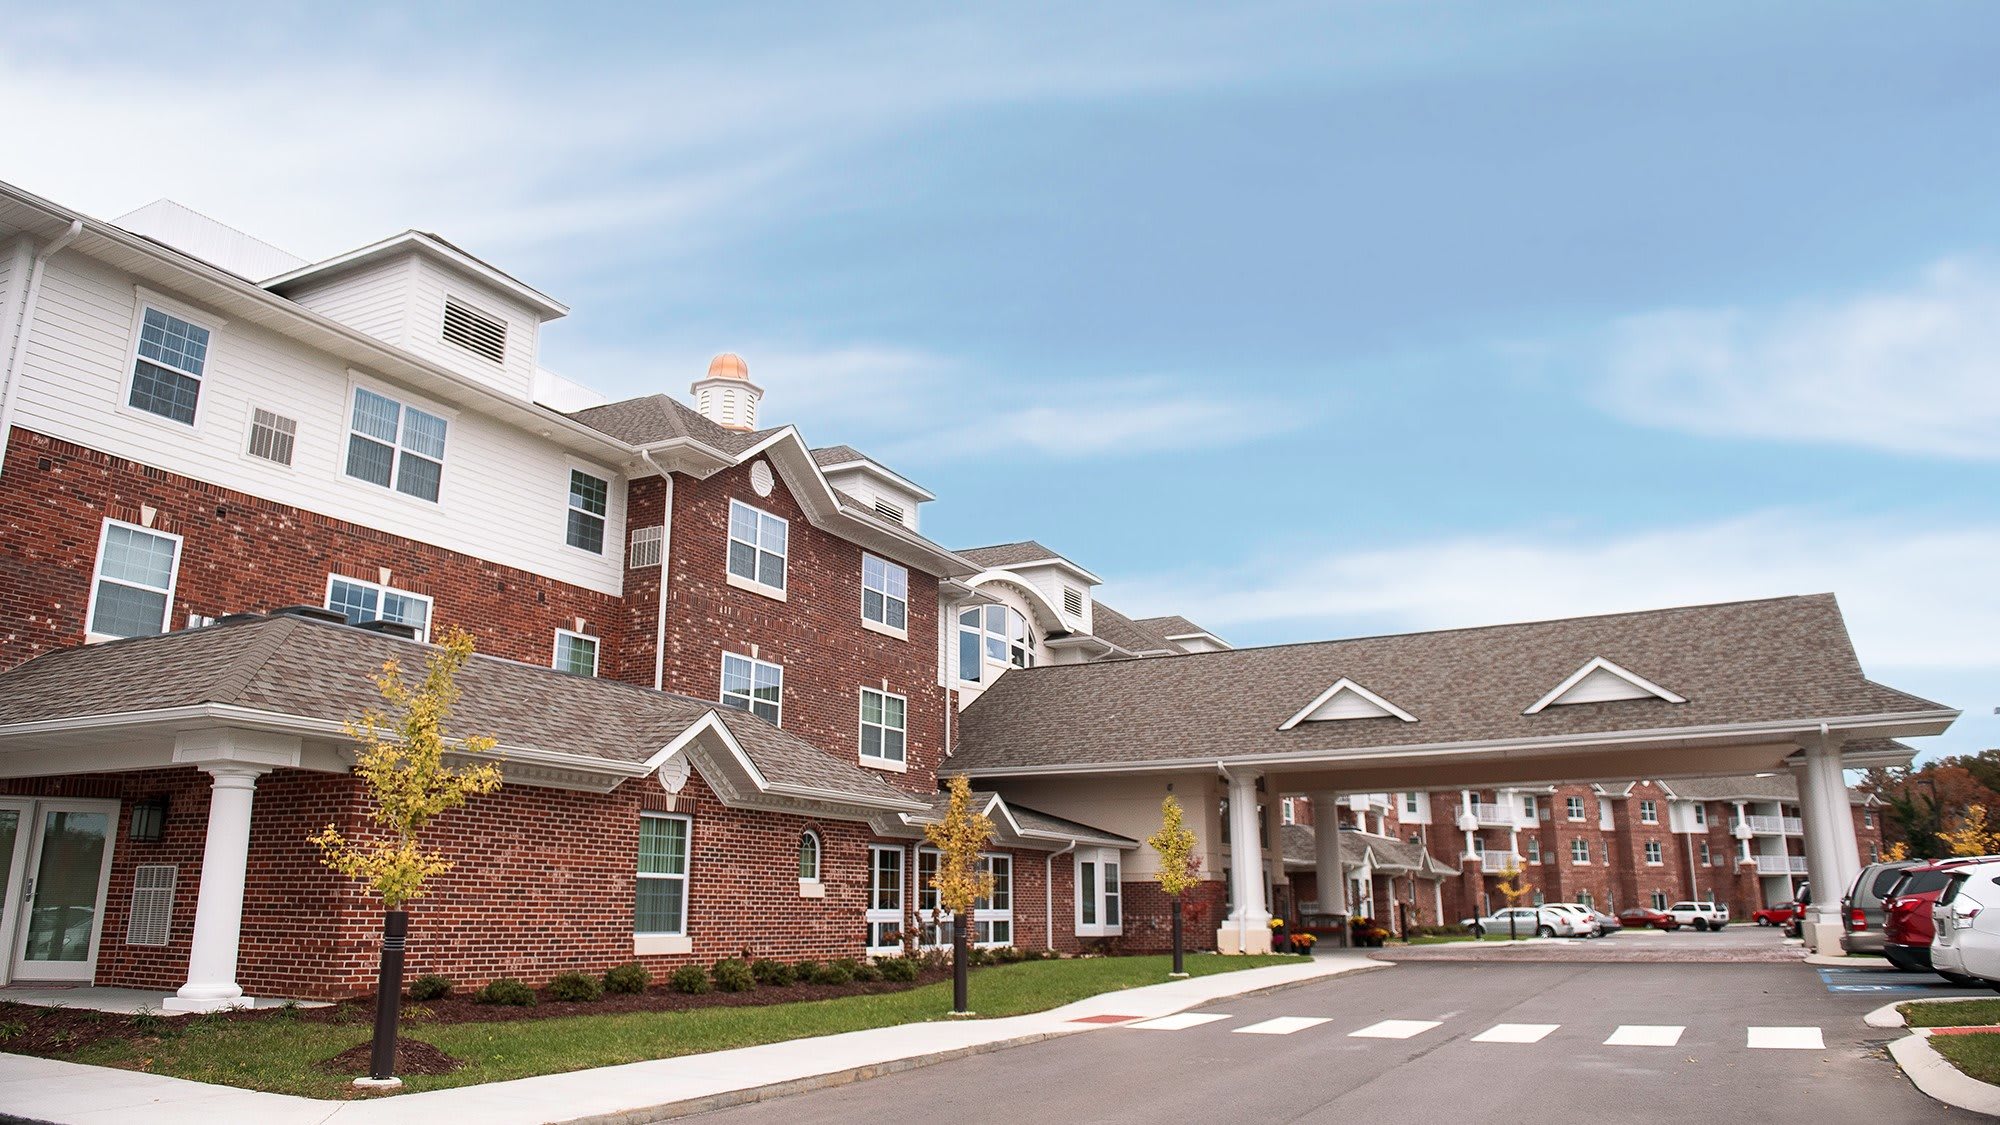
<point x="576" y="653"/>
<point x="368" y="601"/>
<point x="1700" y="815"/>
<point x="884" y="728"/>
<point x="1649" y="813"/>
<point x="885" y="898"/>
<point x="1409" y="804"/>
<point x="757" y="545"/>
<point x="661" y="897"/>
<point x="756" y="686"/>
<point x="934" y="922"/>
<point x="1579" y="850"/>
<point x="1653" y="852"/>
<point x="167" y="372"/>
<point x="1573" y="808"/>
<point x="1099" y="911"/>
<point x="589" y="500"/>
<point x="993" y="915"/>
<point x="1534" y="850"/>
<point x="1705" y="858"/>
<point x="885" y="593"/>
<point x="133" y="593"/>
<point x="395" y="445"/>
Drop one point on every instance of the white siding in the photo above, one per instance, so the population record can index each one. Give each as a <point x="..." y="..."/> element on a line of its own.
<point x="430" y="283"/>
<point x="1051" y="580"/>
<point x="868" y="489"/>
<point x="375" y="299"/>
<point x="505" y="493"/>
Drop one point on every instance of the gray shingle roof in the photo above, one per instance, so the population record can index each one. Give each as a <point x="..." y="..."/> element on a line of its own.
<point x="658" y="418"/>
<point x="839" y="455"/>
<point x="1132" y="636"/>
<point x="1767" y="787"/>
<point x="1009" y="554"/>
<point x="1033" y="820"/>
<point x="1778" y="660"/>
<point x="314" y="670"/>
<point x="1172" y="625"/>
<point x="1300" y="845"/>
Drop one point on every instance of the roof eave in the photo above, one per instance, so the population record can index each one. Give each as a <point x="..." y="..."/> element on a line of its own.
<point x="416" y="241"/>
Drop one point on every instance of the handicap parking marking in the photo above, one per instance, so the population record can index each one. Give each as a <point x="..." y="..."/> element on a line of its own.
<point x="1645" y="1035"/>
<point x="1785" y="1039"/>
<point x="1516" y="1033"/>
<point x="1179" y="1022"/>
<point x="1394" y="1029"/>
<point x="1282" y="1025"/>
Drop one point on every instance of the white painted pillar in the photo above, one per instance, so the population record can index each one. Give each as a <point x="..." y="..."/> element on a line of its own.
<point x="1248" y="928"/>
<point x="1327" y="866"/>
<point x="1437" y="900"/>
<point x="1825" y="758"/>
<point x="218" y="913"/>
<point x="1821" y="927"/>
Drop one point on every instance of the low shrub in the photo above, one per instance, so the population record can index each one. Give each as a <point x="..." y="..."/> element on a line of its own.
<point x="835" y="972"/>
<point x="690" y="979"/>
<point x="902" y="969"/>
<point x="732" y="974"/>
<point x="777" y="974"/>
<point x="867" y="971"/>
<point x="575" y="987"/>
<point x="805" y="972"/>
<point x="430" y="987"/>
<point x="508" y="991"/>
<point x="1008" y="955"/>
<point x="629" y="977"/>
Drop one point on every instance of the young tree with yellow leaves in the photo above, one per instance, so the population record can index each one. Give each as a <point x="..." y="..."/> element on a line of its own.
<point x="403" y="761"/>
<point x="962" y="878"/>
<point x="1970" y="835"/>
<point x="1180" y="867"/>
<point x="1513" y="887"/>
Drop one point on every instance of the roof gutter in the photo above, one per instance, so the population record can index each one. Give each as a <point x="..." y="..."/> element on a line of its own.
<point x="666" y="540"/>
<point x="17" y="330"/>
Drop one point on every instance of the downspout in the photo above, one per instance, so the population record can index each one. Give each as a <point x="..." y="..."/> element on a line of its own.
<point x="666" y="541"/>
<point x="1049" y="894"/>
<point x="17" y="355"/>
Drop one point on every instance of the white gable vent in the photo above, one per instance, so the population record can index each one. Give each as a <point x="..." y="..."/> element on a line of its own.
<point x="152" y="914"/>
<point x="647" y="546"/>
<point x="1347" y="700"/>
<point x="1073" y="601"/>
<point x="1601" y="681"/>
<point x="891" y="512"/>
<point x="272" y="436"/>
<point x="474" y="331"/>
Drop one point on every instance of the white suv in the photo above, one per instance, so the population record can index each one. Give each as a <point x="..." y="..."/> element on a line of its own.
<point x="1966" y="919"/>
<point x="1700" y="915"/>
<point x="1583" y="920"/>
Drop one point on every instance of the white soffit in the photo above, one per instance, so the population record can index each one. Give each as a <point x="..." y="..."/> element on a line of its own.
<point x="1601" y="681"/>
<point x="1347" y="700"/>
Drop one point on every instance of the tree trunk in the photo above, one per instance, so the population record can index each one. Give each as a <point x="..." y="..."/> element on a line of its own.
<point x="961" y="945"/>
<point x="1180" y="968"/>
<point x="389" y="995"/>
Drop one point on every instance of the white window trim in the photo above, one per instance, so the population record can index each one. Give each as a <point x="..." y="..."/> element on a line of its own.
<point x="776" y="593"/>
<point x="144" y="299"/>
<point x="1575" y="862"/>
<point x="405" y="399"/>
<point x="596" y="650"/>
<point x="861" y="725"/>
<point x="1649" y="812"/>
<point x="944" y="919"/>
<point x="1652" y="848"/>
<point x="430" y="604"/>
<point x="989" y="915"/>
<point x="1097" y="856"/>
<point x="867" y="623"/>
<point x="249" y="434"/>
<point x="97" y="578"/>
<point x="722" y="684"/>
<point x="814" y="887"/>
<point x="569" y="505"/>
<point x="871" y="916"/>
<point x="686" y="878"/>
<point x="1346" y="685"/>
<point x="1573" y="803"/>
<point x="1599" y="664"/>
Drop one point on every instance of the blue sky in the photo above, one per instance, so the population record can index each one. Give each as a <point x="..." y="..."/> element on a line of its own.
<point x="1302" y="320"/>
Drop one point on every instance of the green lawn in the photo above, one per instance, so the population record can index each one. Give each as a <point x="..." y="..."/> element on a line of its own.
<point x="1959" y="1013"/>
<point x="281" y="1054"/>
<point x="1977" y="1055"/>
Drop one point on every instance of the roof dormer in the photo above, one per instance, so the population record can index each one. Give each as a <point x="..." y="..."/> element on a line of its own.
<point x="868" y="484"/>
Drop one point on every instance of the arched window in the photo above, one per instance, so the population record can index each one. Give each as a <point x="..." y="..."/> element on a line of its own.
<point x="809" y="857"/>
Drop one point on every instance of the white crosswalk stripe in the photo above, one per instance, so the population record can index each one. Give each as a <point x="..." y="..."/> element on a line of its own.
<point x="1393" y="1029"/>
<point x="1645" y="1035"/>
<point x="1785" y="1039"/>
<point x="1179" y="1022"/>
<point x="1283" y="1025"/>
<point x="1515" y="1033"/>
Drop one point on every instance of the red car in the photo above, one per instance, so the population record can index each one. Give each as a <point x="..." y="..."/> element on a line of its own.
<point x="1778" y="915"/>
<point x="1906" y="913"/>
<point x="1640" y="917"/>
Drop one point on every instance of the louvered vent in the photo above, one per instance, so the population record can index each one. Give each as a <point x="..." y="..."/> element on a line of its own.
<point x="1073" y="601"/>
<point x="888" y="511"/>
<point x="152" y="904"/>
<point x="646" y="544"/>
<point x="272" y="436"/>
<point x="474" y="331"/>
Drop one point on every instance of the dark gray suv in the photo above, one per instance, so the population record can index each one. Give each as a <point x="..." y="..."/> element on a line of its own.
<point x="1861" y="906"/>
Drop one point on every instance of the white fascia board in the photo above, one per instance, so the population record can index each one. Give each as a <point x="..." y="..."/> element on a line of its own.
<point x="823" y="507"/>
<point x="419" y="242"/>
<point x="902" y="482"/>
<point x="1203" y="635"/>
<point x="1599" y="664"/>
<point x="1932" y="722"/>
<point x="1056" y="561"/>
<point x="709" y="724"/>
<point x="1028" y="590"/>
<point x="1345" y="684"/>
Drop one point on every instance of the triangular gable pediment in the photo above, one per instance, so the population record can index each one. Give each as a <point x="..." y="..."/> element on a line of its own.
<point x="1601" y="681"/>
<point x="1347" y="700"/>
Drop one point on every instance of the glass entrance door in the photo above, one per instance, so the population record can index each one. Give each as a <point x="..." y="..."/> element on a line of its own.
<point x="61" y="895"/>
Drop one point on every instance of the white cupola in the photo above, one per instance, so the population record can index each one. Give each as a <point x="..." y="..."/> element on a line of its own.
<point x="727" y="397"/>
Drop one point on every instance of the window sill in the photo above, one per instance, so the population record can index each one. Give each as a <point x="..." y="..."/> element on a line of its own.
<point x="644" y="945"/>
<point x="885" y="765"/>
<point x="1579" y="863"/>
<point x="1656" y="863"/>
<point x="811" y="888"/>
<point x="772" y="592"/>
<point x="885" y="630"/>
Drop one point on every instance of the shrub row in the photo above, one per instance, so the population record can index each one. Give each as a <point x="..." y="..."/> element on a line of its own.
<point x="731" y="974"/>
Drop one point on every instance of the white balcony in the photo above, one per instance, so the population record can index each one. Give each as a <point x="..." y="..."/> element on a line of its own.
<point x="1781" y="865"/>
<point x="1498" y="816"/>
<point x="1493" y="863"/>
<point x="1770" y="825"/>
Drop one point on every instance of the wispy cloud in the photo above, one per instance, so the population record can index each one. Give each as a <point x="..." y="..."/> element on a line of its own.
<point x="1913" y="369"/>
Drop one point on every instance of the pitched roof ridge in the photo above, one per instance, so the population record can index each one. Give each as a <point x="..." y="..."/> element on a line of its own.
<point x="272" y="633"/>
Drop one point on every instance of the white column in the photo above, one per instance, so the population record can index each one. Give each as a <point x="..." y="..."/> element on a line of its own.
<point x="1824" y="757"/>
<point x="1248" y="928"/>
<point x="1327" y="867"/>
<point x="1821" y="926"/>
<point x="218" y="913"/>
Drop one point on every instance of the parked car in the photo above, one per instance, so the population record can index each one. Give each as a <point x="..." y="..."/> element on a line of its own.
<point x="1525" y="921"/>
<point x="1643" y="917"/>
<point x="1966" y="923"/>
<point x="1861" y="906"/>
<point x="1700" y="915"/>
<point x="1779" y="915"/>
<point x="1906" y="911"/>
<point x="1583" y="918"/>
<point x="1606" y="923"/>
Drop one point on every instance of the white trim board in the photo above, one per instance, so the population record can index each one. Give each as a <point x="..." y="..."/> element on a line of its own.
<point x="1360" y="704"/>
<point x="1601" y="681"/>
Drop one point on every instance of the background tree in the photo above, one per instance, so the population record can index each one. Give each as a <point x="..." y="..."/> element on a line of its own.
<point x="961" y="879"/>
<point x="1922" y="803"/>
<point x="1513" y="887"/>
<point x="1180" y="867"/>
<point x="403" y="762"/>
<point x="1970" y="835"/>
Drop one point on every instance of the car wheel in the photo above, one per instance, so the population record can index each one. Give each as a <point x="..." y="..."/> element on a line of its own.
<point x="1763" y="921"/>
<point x="1545" y="931"/>
<point x="1719" y="925"/>
<point x="1701" y="925"/>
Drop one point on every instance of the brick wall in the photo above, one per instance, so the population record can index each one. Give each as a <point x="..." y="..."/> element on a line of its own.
<point x="1149" y="917"/>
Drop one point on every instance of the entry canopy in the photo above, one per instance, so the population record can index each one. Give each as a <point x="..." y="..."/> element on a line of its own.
<point x="1733" y="688"/>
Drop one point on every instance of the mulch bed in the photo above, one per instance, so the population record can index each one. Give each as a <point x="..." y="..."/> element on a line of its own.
<point x="413" y="1056"/>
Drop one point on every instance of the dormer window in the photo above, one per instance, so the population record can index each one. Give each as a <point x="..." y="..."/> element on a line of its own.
<point x="993" y="634"/>
<point x="475" y="331"/>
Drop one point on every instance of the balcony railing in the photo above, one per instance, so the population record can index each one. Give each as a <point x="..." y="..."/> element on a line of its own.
<point x="1494" y="816"/>
<point x="1781" y="865"/>
<point x="1492" y="863"/>
<point x="1770" y="825"/>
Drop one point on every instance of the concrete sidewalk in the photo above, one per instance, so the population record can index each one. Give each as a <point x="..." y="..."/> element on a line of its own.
<point x="73" y="1094"/>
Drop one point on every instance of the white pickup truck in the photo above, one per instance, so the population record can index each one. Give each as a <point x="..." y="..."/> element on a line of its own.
<point x="1700" y="915"/>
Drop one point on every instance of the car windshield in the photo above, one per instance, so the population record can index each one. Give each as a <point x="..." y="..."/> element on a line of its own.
<point x="1923" y="882"/>
<point x="1885" y="881"/>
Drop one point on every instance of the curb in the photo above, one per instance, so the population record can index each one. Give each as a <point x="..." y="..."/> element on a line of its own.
<point x="1888" y="1016"/>
<point x="1937" y="1079"/>
<point x="1847" y="961"/>
<point x="670" y="1111"/>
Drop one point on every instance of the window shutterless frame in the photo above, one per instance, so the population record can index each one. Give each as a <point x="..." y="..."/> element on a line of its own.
<point x="660" y="896"/>
<point x="758" y="549"/>
<point x="575" y="653"/>
<point x="884" y="719"/>
<point x="756" y="686"/>
<point x="395" y="442"/>
<point x="885" y="596"/>
<point x="359" y="609"/>
<point x="588" y="514"/>
<point x="886" y="884"/>
<point x="131" y="585"/>
<point x="176" y="360"/>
